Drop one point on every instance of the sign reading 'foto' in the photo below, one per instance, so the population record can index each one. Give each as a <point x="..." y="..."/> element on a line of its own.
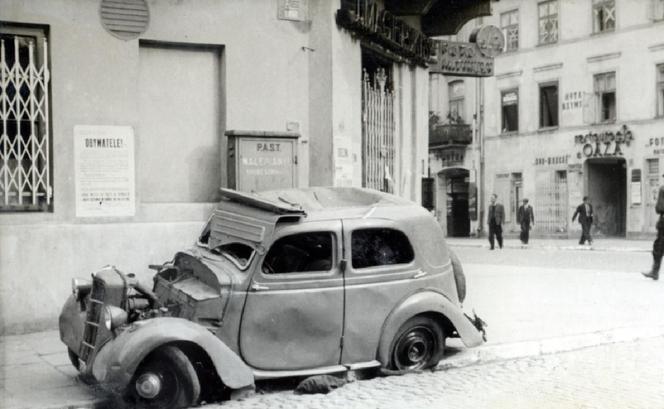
<point x="104" y="171"/>
<point x="461" y="59"/>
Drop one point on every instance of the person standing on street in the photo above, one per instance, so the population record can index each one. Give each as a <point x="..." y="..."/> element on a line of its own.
<point x="495" y="220"/>
<point x="525" y="216"/>
<point x="658" y="245"/>
<point x="585" y="213"/>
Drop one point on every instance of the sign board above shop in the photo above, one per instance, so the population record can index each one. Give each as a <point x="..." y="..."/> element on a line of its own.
<point x="471" y="59"/>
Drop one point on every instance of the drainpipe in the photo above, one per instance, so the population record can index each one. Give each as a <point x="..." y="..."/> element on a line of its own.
<point x="480" y="139"/>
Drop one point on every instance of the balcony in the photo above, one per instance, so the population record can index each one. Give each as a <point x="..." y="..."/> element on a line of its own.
<point x="449" y="135"/>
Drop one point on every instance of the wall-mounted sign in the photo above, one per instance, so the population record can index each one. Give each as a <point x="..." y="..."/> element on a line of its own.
<point x="572" y="100"/>
<point x="295" y="10"/>
<point x="364" y="19"/>
<point x="658" y="144"/>
<point x="104" y="171"/>
<point x="603" y="144"/>
<point x="461" y="59"/>
<point x="552" y="160"/>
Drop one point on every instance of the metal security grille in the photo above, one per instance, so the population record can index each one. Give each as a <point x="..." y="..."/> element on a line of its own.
<point x="377" y="132"/>
<point x="551" y="201"/>
<point x="24" y="113"/>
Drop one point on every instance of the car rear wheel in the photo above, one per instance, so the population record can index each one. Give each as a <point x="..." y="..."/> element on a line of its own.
<point x="166" y="379"/>
<point x="419" y="344"/>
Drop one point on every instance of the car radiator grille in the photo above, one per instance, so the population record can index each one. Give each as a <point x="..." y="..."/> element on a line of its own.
<point x="93" y="319"/>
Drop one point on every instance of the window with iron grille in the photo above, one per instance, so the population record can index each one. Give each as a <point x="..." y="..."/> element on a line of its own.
<point x="604" y="15"/>
<point x="658" y="10"/>
<point x="509" y="23"/>
<point x="510" y="110"/>
<point x="605" y="94"/>
<point x="548" y="21"/>
<point x="660" y="90"/>
<point x="457" y="94"/>
<point x="548" y="105"/>
<point x="25" y="167"/>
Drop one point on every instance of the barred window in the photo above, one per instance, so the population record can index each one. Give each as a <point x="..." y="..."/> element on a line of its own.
<point x="605" y="94"/>
<point x="548" y="21"/>
<point x="509" y="23"/>
<point x="604" y="15"/>
<point x="25" y="180"/>
<point x="660" y="90"/>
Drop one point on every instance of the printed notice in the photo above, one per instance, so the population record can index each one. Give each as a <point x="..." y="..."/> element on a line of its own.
<point x="104" y="171"/>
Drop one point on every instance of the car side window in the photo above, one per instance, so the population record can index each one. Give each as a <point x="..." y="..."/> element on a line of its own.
<point x="299" y="253"/>
<point x="380" y="247"/>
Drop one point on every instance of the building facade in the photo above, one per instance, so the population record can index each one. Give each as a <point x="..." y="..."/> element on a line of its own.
<point x="575" y="108"/>
<point x="122" y="119"/>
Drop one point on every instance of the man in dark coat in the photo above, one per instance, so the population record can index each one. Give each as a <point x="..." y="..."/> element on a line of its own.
<point x="585" y="213"/>
<point x="658" y="245"/>
<point x="525" y="216"/>
<point x="495" y="219"/>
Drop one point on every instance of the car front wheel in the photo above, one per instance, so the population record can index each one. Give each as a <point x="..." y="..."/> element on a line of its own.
<point x="166" y="379"/>
<point x="419" y="344"/>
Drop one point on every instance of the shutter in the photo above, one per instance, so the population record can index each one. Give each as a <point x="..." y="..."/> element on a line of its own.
<point x="125" y="19"/>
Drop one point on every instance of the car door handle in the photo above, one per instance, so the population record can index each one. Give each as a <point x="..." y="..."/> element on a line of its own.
<point x="259" y="287"/>
<point x="419" y="274"/>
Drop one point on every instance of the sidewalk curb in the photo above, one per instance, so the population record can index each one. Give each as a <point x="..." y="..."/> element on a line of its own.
<point x="528" y="349"/>
<point x="550" y="247"/>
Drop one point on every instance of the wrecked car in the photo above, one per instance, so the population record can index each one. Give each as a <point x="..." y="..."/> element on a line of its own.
<point x="279" y="284"/>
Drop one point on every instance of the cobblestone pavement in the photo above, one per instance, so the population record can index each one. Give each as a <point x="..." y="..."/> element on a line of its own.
<point x="621" y="376"/>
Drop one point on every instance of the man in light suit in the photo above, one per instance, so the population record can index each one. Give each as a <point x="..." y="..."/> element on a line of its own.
<point x="525" y="217"/>
<point x="495" y="219"/>
<point x="585" y="213"/>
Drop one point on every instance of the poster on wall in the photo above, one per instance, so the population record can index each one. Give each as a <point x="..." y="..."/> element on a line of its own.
<point x="104" y="171"/>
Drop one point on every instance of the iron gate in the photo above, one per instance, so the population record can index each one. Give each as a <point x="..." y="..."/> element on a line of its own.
<point x="377" y="132"/>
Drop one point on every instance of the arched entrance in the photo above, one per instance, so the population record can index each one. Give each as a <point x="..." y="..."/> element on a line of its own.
<point x="606" y="184"/>
<point x="455" y="182"/>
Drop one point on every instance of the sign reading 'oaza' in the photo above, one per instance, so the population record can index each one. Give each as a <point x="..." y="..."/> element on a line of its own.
<point x="603" y="144"/>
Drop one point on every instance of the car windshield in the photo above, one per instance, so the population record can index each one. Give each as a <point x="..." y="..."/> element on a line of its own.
<point x="239" y="254"/>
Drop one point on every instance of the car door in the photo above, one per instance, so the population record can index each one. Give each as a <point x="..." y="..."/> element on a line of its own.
<point x="293" y="316"/>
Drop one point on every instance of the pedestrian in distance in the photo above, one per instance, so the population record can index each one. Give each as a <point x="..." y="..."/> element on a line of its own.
<point x="585" y="213"/>
<point x="495" y="220"/>
<point x="658" y="244"/>
<point x="526" y="219"/>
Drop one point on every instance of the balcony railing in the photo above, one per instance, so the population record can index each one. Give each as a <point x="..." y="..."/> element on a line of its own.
<point x="442" y="135"/>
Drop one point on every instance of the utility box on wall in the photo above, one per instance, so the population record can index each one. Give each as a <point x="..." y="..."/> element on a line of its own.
<point x="259" y="160"/>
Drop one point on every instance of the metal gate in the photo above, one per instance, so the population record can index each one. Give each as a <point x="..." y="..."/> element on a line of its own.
<point x="550" y="205"/>
<point x="24" y="115"/>
<point x="377" y="132"/>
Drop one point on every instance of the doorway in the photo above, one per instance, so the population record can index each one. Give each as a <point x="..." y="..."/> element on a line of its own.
<point x="456" y="182"/>
<point x="607" y="190"/>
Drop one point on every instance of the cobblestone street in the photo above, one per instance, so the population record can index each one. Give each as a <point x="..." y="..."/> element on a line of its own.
<point x="626" y="375"/>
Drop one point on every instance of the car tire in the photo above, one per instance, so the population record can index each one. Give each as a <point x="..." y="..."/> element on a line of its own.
<point x="166" y="379"/>
<point x="419" y="344"/>
<point x="73" y="358"/>
<point x="459" y="276"/>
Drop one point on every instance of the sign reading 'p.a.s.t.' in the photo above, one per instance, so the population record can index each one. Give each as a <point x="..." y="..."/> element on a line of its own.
<point x="104" y="171"/>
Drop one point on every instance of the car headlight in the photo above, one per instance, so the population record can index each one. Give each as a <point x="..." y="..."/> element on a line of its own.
<point x="80" y="287"/>
<point x="114" y="317"/>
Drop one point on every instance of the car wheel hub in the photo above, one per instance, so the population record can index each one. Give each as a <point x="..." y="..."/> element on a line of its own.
<point x="148" y="385"/>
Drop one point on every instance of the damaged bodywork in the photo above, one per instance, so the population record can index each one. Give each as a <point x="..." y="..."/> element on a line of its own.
<point x="282" y="283"/>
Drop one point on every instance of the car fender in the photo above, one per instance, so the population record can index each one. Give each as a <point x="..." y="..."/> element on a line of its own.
<point x="422" y="302"/>
<point x="116" y="362"/>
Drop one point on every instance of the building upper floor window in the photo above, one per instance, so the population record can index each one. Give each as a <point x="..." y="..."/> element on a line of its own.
<point x="548" y="21"/>
<point x="548" y="101"/>
<point x="25" y="167"/>
<point x="605" y="94"/>
<point x="660" y="90"/>
<point x="510" y="110"/>
<point x="457" y="95"/>
<point x="658" y="10"/>
<point x="604" y="15"/>
<point x="509" y="23"/>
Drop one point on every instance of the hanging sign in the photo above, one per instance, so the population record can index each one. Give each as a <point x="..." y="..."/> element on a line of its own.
<point x="461" y="59"/>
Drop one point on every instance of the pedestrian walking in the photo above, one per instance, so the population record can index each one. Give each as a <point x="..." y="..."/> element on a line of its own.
<point x="495" y="220"/>
<point x="525" y="218"/>
<point x="658" y="244"/>
<point x="585" y="213"/>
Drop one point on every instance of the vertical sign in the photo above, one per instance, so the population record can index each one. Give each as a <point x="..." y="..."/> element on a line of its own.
<point x="104" y="171"/>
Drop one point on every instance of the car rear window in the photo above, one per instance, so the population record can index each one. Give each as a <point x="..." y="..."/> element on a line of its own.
<point x="380" y="247"/>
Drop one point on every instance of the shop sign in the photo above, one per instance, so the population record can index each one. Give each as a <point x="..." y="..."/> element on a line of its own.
<point x="461" y="59"/>
<point x="603" y="144"/>
<point x="572" y="100"/>
<point x="294" y="10"/>
<point x="383" y="28"/>
<point x="451" y="157"/>
<point x="104" y="171"/>
<point x="658" y="144"/>
<point x="552" y="160"/>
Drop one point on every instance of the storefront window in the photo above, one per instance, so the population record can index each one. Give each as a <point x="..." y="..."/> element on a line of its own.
<point x="605" y="92"/>
<point x="457" y="101"/>
<point x="509" y="22"/>
<point x="510" y="110"/>
<point x="660" y="90"/>
<point x="548" y="105"/>
<point x="604" y="15"/>
<point x="548" y="22"/>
